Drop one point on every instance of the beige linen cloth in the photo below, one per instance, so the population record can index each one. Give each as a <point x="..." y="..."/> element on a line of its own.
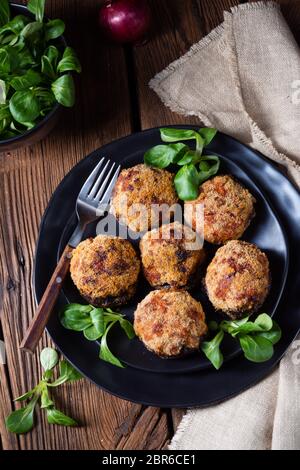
<point x="244" y="79"/>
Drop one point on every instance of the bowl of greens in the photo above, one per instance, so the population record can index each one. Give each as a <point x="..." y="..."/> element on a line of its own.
<point x="36" y="68"/>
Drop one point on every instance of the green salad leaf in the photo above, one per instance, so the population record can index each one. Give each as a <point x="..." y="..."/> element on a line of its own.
<point x="195" y="167"/>
<point x="96" y="324"/>
<point x="76" y="317"/>
<point x="209" y="166"/>
<point x="35" y="69"/>
<point x="46" y="401"/>
<point x="15" y="26"/>
<point x="54" y="29"/>
<point x="31" y="30"/>
<point x="127" y="327"/>
<point x="273" y="335"/>
<point x="161" y="156"/>
<point x="48" y="358"/>
<point x="187" y="182"/>
<point x="68" y="371"/>
<point x="256" y="338"/>
<point x="24" y="106"/>
<point x="53" y="55"/>
<point x="105" y="353"/>
<point x="37" y="7"/>
<point x="207" y="134"/>
<point x="5" y="63"/>
<point x="4" y="12"/>
<point x="64" y="90"/>
<point x="212" y="350"/>
<point x="47" y="68"/>
<point x="55" y="416"/>
<point x="25" y="81"/>
<point x="69" y="62"/>
<point x="2" y="92"/>
<point x="26" y="395"/>
<point x="256" y="348"/>
<point x="22" y="420"/>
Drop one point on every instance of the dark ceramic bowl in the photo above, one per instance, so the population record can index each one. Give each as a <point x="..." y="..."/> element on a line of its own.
<point x="45" y="125"/>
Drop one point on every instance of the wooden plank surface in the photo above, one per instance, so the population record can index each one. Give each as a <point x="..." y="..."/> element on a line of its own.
<point x="8" y="441"/>
<point x="178" y="25"/>
<point x="28" y="178"/>
<point x="113" y="99"/>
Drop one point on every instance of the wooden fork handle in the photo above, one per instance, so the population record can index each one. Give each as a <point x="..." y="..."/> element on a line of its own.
<point x="47" y="302"/>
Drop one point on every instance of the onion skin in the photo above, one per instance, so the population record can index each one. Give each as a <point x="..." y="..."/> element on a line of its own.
<point x="125" y="21"/>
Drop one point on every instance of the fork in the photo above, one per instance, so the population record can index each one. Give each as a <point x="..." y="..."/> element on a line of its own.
<point x="91" y="204"/>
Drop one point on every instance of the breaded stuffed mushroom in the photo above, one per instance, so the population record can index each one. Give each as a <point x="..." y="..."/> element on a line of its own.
<point x="228" y="209"/>
<point x="170" y="322"/>
<point x="171" y="256"/>
<point x="238" y="279"/>
<point x="105" y="270"/>
<point x="137" y="194"/>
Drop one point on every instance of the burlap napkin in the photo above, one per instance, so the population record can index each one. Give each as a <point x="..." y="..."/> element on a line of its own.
<point x="244" y="79"/>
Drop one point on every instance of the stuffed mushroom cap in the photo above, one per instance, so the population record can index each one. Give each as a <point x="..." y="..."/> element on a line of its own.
<point x="238" y="279"/>
<point x="137" y="195"/>
<point x="228" y="209"/>
<point x="170" y="322"/>
<point x="105" y="270"/>
<point x="171" y="256"/>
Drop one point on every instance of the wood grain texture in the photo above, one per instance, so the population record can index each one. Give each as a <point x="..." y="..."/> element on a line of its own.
<point x="177" y="25"/>
<point x="27" y="180"/>
<point x="113" y="98"/>
<point x="211" y="13"/>
<point x="47" y="302"/>
<point x="8" y="441"/>
<point x="177" y="415"/>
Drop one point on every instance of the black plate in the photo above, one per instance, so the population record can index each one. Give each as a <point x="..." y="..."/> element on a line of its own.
<point x="205" y="386"/>
<point x="265" y="231"/>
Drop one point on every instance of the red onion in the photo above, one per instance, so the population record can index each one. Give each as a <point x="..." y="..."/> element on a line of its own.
<point x="125" y="20"/>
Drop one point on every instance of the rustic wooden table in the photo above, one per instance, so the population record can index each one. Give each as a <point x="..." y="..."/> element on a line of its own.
<point x="113" y="100"/>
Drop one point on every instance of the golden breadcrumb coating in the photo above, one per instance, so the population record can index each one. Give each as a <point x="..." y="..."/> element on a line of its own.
<point x="171" y="255"/>
<point x="170" y="322"/>
<point x="228" y="209"/>
<point x="105" y="270"/>
<point x="238" y="278"/>
<point x="144" y="185"/>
